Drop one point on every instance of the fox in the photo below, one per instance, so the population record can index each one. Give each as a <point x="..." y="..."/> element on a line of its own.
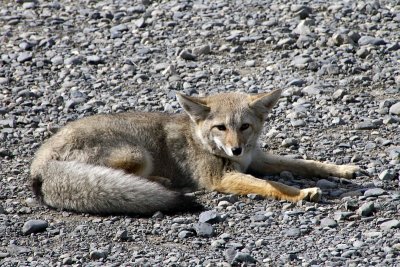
<point x="144" y="162"/>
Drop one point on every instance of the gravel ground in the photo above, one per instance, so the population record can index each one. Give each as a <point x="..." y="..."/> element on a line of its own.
<point x="337" y="61"/>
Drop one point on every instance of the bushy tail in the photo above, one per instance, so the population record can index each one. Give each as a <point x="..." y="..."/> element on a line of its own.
<point x="71" y="185"/>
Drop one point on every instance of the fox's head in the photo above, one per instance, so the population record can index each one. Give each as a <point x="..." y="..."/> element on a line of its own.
<point x="229" y="124"/>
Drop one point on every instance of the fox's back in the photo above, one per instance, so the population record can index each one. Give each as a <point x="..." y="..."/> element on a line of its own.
<point x="166" y="137"/>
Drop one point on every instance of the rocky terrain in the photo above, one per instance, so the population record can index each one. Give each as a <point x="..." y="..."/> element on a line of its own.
<point x="338" y="62"/>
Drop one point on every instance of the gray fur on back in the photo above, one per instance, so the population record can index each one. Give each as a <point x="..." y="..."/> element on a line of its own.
<point x="73" y="185"/>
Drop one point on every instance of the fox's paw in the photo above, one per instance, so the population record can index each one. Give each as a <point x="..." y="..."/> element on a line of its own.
<point x="351" y="171"/>
<point x="313" y="194"/>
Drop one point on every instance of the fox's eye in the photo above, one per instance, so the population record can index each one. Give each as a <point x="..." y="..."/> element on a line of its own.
<point x="221" y="127"/>
<point x="244" y="126"/>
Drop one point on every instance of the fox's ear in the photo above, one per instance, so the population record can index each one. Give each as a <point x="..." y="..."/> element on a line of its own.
<point x="195" y="107"/>
<point x="264" y="102"/>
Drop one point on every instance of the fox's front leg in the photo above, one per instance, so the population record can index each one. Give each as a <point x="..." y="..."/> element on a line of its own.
<point x="243" y="184"/>
<point x="264" y="163"/>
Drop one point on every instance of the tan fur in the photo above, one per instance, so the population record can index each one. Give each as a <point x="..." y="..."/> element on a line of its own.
<point x="128" y="163"/>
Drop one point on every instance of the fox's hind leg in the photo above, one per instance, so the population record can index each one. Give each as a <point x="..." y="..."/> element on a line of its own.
<point x="135" y="160"/>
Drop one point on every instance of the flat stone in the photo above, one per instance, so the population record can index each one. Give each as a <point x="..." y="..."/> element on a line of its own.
<point x="97" y="254"/>
<point x="57" y="60"/>
<point x="374" y="192"/>
<point x="209" y="216"/>
<point x="290" y="142"/>
<point x="313" y="89"/>
<point x="4" y="80"/>
<point x="373" y="234"/>
<point x="24" y="56"/>
<point x="185" y="234"/>
<point x="34" y="226"/>
<point x="387" y="175"/>
<point x="366" y="125"/>
<point x="73" y="60"/>
<point x="343" y="215"/>
<point x="326" y="184"/>
<point x="187" y="55"/>
<point x="390" y="225"/>
<point x="297" y="82"/>
<point x="204" y="229"/>
<point x="94" y="60"/>
<point x="241" y="257"/>
<point x="292" y="232"/>
<point x="328" y="222"/>
<point x="369" y="40"/>
<point x="297" y="123"/>
<point x="395" y="109"/>
<point x="122" y="235"/>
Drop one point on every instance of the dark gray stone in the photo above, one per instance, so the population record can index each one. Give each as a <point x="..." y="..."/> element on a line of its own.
<point x="395" y="109"/>
<point x="34" y="226"/>
<point x="374" y="192"/>
<point x="328" y="222"/>
<point x="366" y="209"/>
<point x="209" y="216"/>
<point x="241" y="257"/>
<point x="391" y="224"/>
<point x="24" y="57"/>
<point x="204" y="229"/>
<point x="369" y="40"/>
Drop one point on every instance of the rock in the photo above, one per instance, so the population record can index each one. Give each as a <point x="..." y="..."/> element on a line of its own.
<point x="301" y="61"/>
<point x="366" y="209"/>
<point x="202" y="50"/>
<point x="57" y="60"/>
<point x="24" y="57"/>
<point x="341" y="216"/>
<point x="209" y="216"/>
<point x="4" y="80"/>
<point x="338" y="121"/>
<point x="387" y="175"/>
<point x="290" y="142"/>
<point x="369" y="40"/>
<point x="288" y="257"/>
<point x="34" y="226"/>
<point x="229" y="254"/>
<point x="94" y="60"/>
<point x="340" y="39"/>
<point x="338" y="94"/>
<point x="366" y="125"/>
<point x="250" y="63"/>
<point x="301" y="11"/>
<point x="374" y="192"/>
<point x="325" y="184"/>
<point x="286" y="175"/>
<point x="73" y="60"/>
<point x="259" y="218"/>
<point x="297" y="123"/>
<point x="97" y="254"/>
<point x="219" y="243"/>
<point x="297" y="82"/>
<point x="204" y="229"/>
<point x="122" y="235"/>
<point x="328" y="222"/>
<point x="312" y="90"/>
<point x="303" y="28"/>
<point x="391" y="224"/>
<point x="241" y="257"/>
<point x="395" y="109"/>
<point x="292" y="232"/>
<point x="185" y="54"/>
<point x="185" y="234"/>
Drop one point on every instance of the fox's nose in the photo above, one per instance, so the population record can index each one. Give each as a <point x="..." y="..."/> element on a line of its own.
<point x="237" y="151"/>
